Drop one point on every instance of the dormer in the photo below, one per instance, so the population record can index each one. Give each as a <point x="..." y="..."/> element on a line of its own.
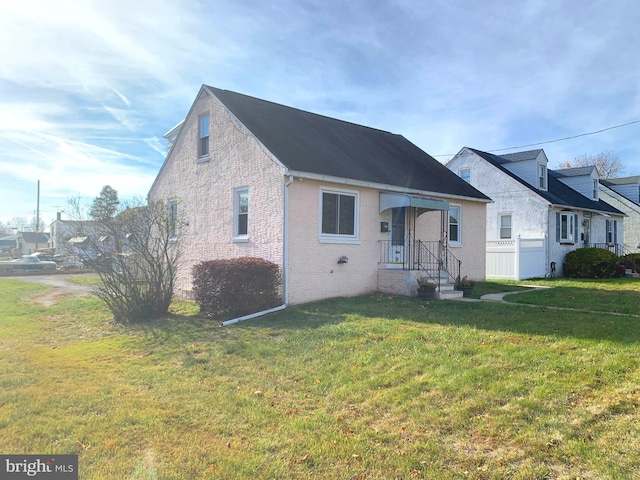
<point x="583" y="180"/>
<point x="628" y="187"/>
<point x="530" y="166"/>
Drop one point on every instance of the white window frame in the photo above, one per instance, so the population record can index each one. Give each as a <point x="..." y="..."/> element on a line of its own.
<point x="173" y="213"/>
<point x="467" y="171"/>
<point x="237" y="194"/>
<point x="542" y="176"/>
<point x="458" y="242"/>
<point x="202" y="155"/>
<point x="570" y="219"/>
<point x="501" y="225"/>
<point x="340" y="237"/>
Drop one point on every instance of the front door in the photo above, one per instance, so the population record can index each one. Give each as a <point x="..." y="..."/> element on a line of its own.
<point x="397" y="244"/>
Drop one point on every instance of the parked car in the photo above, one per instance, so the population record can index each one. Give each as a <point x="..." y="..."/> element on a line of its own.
<point x="27" y="263"/>
<point x="72" y="263"/>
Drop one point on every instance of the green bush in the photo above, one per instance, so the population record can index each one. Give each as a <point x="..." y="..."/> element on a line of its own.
<point x="236" y="287"/>
<point x="590" y="263"/>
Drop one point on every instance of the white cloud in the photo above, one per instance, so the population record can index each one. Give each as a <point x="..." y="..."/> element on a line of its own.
<point x="88" y="88"/>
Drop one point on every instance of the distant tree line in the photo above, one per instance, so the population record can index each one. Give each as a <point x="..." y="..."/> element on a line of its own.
<point x="607" y="163"/>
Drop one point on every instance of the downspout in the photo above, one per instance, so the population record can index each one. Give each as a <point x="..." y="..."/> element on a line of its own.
<point x="285" y="242"/>
<point x="285" y="264"/>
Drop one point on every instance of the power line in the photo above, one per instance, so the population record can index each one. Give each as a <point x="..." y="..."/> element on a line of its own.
<point x="551" y="141"/>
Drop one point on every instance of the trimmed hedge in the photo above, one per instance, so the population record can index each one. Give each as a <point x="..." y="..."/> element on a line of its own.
<point x="236" y="287"/>
<point x="590" y="263"/>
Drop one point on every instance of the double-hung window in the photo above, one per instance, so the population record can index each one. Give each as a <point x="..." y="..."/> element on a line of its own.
<point x="172" y="218"/>
<point x="338" y="216"/>
<point x="505" y="226"/>
<point x="595" y="189"/>
<point x="542" y="177"/>
<point x="241" y="214"/>
<point x="455" y="225"/>
<point x="203" y="136"/>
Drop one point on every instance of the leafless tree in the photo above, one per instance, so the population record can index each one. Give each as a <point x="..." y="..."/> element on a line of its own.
<point x="607" y="163"/>
<point x="135" y="257"/>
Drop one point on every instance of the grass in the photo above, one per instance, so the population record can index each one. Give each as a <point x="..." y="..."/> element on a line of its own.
<point x="372" y="387"/>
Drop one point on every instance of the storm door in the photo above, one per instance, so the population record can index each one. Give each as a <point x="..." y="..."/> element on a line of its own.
<point x="397" y="244"/>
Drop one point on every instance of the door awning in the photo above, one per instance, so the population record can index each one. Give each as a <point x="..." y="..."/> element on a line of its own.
<point x="396" y="200"/>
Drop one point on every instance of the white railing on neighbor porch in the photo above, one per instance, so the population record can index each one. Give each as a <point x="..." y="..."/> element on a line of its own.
<point x="516" y="259"/>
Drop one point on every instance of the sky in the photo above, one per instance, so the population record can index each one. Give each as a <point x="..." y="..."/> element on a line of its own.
<point x="88" y="88"/>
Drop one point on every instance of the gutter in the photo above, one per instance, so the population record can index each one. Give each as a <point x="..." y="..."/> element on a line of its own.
<point x="383" y="187"/>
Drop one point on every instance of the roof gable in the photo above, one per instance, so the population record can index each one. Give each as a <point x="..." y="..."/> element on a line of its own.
<point x="307" y="142"/>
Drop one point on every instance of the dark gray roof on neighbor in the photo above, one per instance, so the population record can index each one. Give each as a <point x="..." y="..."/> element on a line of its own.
<point x="521" y="156"/>
<point x="312" y="143"/>
<point x="557" y="192"/>
<point x="621" y="181"/>
<point x="33" y="237"/>
<point x="575" y="172"/>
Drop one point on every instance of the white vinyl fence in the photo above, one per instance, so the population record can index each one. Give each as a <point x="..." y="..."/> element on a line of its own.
<point x="516" y="259"/>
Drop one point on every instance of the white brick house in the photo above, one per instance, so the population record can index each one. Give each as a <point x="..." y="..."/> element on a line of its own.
<point x="332" y="203"/>
<point x="537" y="215"/>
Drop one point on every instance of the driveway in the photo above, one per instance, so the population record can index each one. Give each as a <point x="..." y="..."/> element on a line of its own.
<point x="61" y="287"/>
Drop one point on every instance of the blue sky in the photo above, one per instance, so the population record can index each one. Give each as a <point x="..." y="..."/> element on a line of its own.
<point x="88" y="89"/>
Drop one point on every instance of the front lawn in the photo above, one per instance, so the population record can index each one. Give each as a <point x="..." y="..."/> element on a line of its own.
<point x="616" y="295"/>
<point x="374" y="387"/>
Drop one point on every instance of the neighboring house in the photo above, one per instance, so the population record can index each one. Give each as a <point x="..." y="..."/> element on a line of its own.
<point x="624" y="194"/>
<point x="73" y="237"/>
<point x="537" y="215"/>
<point x="331" y="202"/>
<point x="30" y="242"/>
<point x="8" y="244"/>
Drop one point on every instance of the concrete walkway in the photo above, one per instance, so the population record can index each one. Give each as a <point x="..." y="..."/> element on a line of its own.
<point x="499" y="298"/>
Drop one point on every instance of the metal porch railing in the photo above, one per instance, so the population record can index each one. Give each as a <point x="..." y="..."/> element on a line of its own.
<point x="432" y="258"/>
<point x="616" y="248"/>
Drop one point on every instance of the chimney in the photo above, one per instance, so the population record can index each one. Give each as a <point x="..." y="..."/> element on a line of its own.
<point x="59" y="216"/>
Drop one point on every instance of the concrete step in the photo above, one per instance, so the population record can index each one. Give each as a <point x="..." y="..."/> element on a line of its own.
<point x="448" y="294"/>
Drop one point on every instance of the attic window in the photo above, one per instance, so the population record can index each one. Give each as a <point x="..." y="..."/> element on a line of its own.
<point x="542" y="177"/>
<point x="595" y="190"/>
<point x="203" y="136"/>
<point x="465" y="174"/>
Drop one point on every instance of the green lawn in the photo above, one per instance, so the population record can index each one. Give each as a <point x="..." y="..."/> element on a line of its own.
<point x="374" y="387"/>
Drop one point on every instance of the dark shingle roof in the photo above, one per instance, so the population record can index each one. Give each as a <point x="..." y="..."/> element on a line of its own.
<point x="621" y="181"/>
<point x="312" y="143"/>
<point x="33" y="237"/>
<point x="521" y="156"/>
<point x="575" y="171"/>
<point x="557" y="192"/>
